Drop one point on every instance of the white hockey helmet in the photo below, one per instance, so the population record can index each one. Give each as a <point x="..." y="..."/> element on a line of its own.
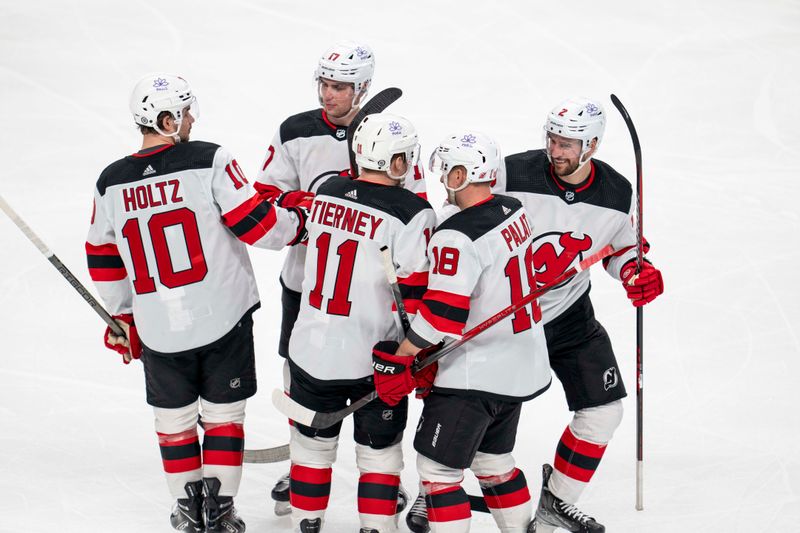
<point x="577" y="118"/>
<point x="159" y="92"/>
<point x="347" y="62"/>
<point x="381" y="136"/>
<point x="478" y="153"/>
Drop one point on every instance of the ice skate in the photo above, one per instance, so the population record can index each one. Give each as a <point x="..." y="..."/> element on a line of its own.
<point x="218" y="511"/>
<point x="280" y="494"/>
<point x="310" y="525"/>
<point x="553" y="513"/>
<point x="187" y="514"/>
<point x="417" y="517"/>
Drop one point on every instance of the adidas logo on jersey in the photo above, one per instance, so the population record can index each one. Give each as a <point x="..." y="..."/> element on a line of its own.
<point x="351" y="194"/>
<point x="506" y="210"/>
<point x="149" y="170"/>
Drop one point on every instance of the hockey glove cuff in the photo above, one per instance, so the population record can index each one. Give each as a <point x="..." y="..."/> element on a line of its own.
<point x="424" y="378"/>
<point x="644" y="287"/>
<point x="302" y="232"/>
<point x="392" y="373"/>
<point x="129" y="346"/>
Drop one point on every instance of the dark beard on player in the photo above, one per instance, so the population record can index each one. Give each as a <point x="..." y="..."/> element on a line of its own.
<point x="569" y="169"/>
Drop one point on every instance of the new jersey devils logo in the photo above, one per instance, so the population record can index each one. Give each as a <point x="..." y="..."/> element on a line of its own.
<point x="555" y="253"/>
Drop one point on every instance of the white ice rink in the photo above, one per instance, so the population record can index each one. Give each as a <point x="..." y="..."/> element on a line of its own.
<point x="713" y="87"/>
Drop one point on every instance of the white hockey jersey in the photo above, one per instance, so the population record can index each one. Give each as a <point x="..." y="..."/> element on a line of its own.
<point x="571" y="222"/>
<point x="166" y="242"/>
<point x="481" y="263"/>
<point x="307" y="150"/>
<point x="347" y="303"/>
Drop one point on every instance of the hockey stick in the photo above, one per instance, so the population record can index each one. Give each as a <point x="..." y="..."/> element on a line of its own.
<point x="391" y="277"/>
<point x="314" y="419"/>
<point x="376" y="104"/>
<point x="637" y="152"/>
<point x="56" y="262"/>
<point x="267" y="455"/>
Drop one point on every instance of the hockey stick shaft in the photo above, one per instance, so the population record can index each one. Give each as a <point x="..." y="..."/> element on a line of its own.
<point x="56" y="262"/>
<point x="637" y="151"/>
<point x="391" y="277"/>
<point x="317" y="420"/>
<point x="267" y="455"/>
<point x="376" y="104"/>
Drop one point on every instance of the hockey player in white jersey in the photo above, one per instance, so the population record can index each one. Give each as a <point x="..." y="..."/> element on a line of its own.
<point x="166" y="250"/>
<point x="577" y="205"/>
<point x="308" y="149"/>
<point x="480" y="263"/>
<point x="346" y="301"/>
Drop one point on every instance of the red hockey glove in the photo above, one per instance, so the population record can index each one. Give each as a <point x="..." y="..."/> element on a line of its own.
<point x="267" y="192"/>
<point x="392" y="373"/>
<point x="424" y="379"/>
<point x="129" y="346"/>
<point x="295" y="199"/>
<point x="644" y="287"/>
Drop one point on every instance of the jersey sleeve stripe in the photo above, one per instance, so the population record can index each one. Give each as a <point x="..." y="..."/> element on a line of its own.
<point x="440" y="320"/>
<point x="104" y="263"/>
<point x="448" y="298"/>
<point x="412" y="289"/>
<point x="251" y="220"/>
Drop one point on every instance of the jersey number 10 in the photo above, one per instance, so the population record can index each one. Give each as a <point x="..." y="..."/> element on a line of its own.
<point x="157" y="226"/>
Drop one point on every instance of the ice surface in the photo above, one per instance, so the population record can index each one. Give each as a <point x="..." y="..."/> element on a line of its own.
<point x="713" y="89"/>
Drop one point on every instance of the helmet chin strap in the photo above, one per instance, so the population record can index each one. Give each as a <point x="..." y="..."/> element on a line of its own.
<point x="175" y="136"/>
<point x="451" y="192"/>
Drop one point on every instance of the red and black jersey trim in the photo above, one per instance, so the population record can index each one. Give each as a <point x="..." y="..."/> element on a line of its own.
<point x="105" y="263"/>
<point x="412" y="290"/>
<point x="529" y="172"/>
<point x="251" y="220"/>
<point x="180" y="157"/>
<point x="395" y="201"/>
<point x="481" y="218"/>
<point x="445" y="311"/>
<point x="312" y="123"/>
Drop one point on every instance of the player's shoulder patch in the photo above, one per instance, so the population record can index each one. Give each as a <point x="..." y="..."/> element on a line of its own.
<point x="615" y="191"/>
<point x="161" y="161"/>
<point x="527" y="172"/>
<point x="478" y="220"/>
<point x="310" y="124"/>
<point x="395" y="201"/>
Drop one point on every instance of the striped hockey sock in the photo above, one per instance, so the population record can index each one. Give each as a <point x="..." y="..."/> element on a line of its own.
<point x="509" y="501"/>
<point x="223" y="450"/>
<point x="309" y="492"/>
<point x="377" y="500"/>
<point x="448" y="509"/>
<point x="575" y="463"/>
<point x="180" y="455"/>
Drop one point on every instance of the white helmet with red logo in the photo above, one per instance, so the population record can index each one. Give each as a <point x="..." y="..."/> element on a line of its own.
<point x="157" y="93"/>
<point x="478" y="153"/>
<point x="577" y="118"/>
<point x="348" y="62"/>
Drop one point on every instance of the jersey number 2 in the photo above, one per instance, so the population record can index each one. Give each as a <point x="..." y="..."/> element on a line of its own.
<point x="157" y="227"/>
<point x="339" y="304"/>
